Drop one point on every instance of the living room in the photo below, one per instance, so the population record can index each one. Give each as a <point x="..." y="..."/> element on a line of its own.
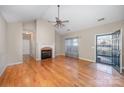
<point x="71" y="50"/>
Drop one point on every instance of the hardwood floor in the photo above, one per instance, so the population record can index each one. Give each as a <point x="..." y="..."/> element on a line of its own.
<point x="61" y="71"/>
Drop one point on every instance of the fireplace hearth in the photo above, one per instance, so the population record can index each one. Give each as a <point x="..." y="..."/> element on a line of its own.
<point x="46" y="53"/>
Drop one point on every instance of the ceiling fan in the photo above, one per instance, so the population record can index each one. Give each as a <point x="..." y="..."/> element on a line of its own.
<point x="59" y="23"/>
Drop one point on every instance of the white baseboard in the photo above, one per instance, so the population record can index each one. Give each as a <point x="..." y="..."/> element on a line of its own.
<point x="1" y="72"/>
<point x="15" y="63"/>
<point x="10" y="64"/>
<point x="87" y="59"/>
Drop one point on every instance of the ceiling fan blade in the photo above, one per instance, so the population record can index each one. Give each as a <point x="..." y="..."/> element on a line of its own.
<point x="59" y="25"/>
<point x="52" y="21"/>
<point x="65" y="21"/>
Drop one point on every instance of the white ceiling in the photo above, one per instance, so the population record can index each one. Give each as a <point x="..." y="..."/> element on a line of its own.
<point x="13" y="13"/>
<point x="80" y="16"/>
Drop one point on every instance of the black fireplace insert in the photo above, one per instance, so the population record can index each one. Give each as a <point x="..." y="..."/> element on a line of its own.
<point x="46" y="54"/>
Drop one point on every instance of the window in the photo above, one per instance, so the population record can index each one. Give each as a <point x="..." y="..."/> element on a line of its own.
<point x="75" y="42"/>
<point x="71" y="47"/>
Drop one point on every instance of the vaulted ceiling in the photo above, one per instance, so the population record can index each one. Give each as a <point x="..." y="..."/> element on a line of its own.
<point x="79" y="16"/>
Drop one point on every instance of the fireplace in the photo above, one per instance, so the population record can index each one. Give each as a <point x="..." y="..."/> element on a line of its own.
<point x="46" y="52"/>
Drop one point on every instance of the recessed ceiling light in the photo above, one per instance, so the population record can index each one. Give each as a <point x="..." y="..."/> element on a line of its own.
<point x="101" y="19"/>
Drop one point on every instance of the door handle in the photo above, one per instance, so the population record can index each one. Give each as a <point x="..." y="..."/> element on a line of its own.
<point x="119" y="52"/>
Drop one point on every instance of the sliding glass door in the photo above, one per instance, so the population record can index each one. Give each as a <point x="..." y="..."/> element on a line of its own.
<point x="104" y="49"/>
<point x="108" y="48"/>
<point x="71" y="47"/>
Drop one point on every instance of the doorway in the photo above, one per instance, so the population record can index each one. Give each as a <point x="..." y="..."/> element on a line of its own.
<point x="26" y="45"/>
<point x="108" y="48"/>
<point x="71" y="47"/>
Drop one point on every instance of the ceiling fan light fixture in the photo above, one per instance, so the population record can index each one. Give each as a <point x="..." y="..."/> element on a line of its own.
<point x="59" y="23"/>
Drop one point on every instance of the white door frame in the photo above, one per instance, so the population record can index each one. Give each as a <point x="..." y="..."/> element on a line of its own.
<point x="121" y="65"/>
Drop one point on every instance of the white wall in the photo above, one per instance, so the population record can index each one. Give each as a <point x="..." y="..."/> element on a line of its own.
<point x="87" y="39"/>
<point x="10" y="44"/>
<point x="14" y="45"/>
<point x="29" y="26"/>
<point x="45" y="37"/>
<point x="58" y="44"/>
<point x="33" y="45"/>
<point x="3" y="44"/>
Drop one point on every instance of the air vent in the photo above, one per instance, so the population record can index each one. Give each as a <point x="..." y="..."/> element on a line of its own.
<point x="101" y="19"/>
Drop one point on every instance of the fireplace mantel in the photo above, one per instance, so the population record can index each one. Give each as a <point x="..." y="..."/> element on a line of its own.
<point x="46" y="48"/>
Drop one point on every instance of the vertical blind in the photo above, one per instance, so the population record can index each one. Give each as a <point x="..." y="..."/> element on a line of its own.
<point x="71" y="47"/>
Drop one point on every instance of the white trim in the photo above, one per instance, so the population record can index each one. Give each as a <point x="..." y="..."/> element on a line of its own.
<point x="87" y="59"/>
<point x="19" y="62"/>
<point x="38" y="59"/>
<point x="1" y="72"/>
<point x="14" y="63"/>
<point x="121" y="65"/>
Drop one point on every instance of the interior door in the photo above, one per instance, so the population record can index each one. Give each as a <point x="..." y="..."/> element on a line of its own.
<point x="117" y="42"/>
